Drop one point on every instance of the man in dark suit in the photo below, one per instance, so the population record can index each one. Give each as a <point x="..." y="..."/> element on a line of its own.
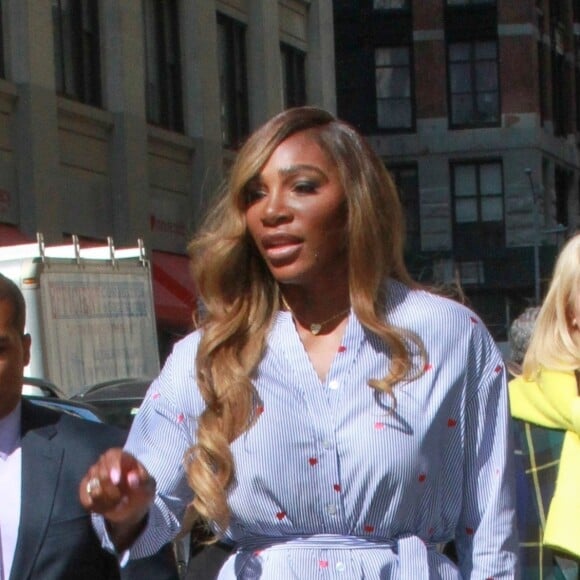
<point x="45" y="533"/>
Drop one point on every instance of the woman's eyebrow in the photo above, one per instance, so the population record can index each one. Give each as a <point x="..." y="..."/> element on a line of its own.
<point x="293" y="169"/>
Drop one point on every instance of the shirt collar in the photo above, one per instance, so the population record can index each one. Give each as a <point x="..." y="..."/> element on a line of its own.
<point x="10" y="432"/>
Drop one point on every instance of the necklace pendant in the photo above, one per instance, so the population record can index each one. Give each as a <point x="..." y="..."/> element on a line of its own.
<point x="315" y="328"/>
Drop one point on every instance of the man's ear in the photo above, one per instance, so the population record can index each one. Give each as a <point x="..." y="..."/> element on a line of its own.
<point x="26" y="342"/>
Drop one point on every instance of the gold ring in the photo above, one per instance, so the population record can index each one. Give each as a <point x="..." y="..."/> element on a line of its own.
<point x="93" y="484"/>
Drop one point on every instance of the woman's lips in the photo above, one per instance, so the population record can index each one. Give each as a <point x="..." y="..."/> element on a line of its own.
<point x="282" y="253"/>
<point x="281" y="247"/>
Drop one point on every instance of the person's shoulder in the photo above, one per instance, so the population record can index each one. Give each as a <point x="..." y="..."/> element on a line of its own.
<point x="70" y="428"/>
<point x="427" y="304"/>
<point x="85" y="426"/>
<point x="187" y="345"/>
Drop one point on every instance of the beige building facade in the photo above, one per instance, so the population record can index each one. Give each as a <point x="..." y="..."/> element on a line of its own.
<point x="118" y="118"/>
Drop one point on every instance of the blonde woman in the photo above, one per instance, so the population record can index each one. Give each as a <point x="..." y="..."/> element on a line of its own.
<point x="546" y="408"/>
<point x="329" y="418"/>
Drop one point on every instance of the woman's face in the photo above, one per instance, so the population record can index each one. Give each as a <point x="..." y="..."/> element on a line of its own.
<point x="575" y="314"/>
<point x="296" y="213"/>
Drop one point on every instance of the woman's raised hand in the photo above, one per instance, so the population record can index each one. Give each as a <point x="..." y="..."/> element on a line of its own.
<point x="120" y="488"/>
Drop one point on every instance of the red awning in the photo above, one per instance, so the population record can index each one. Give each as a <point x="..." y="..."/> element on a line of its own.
<point x="10" y="236"/>
<point x="173" y="290"/>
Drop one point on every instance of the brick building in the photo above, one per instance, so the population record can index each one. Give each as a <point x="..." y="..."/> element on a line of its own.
<point x="475" y="107"/>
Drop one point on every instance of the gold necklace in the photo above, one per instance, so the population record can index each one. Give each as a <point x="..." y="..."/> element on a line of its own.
<point x="316" y="327"/>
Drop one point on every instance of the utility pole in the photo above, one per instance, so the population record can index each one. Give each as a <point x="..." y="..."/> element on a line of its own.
<point x="536" y="217"/>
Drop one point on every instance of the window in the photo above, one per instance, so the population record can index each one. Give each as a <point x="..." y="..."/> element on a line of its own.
<point x="391" y="4"/>
<point x="563" y="184"/>
<point x="163" y="69"/>
<point x="393" y="88"/>
<point x="478" y="212"/>
<point x="293" y="76"/>
<point x="76" y="50"/>
<point x="406" y="178"/>
<point x="560" y="81"/>
<point x="474" y="83"/>
<point x="468" y="2"/>
<point x="2" y="64"/>
<point x="233" y="81"/>
<point x="541" y="66"/>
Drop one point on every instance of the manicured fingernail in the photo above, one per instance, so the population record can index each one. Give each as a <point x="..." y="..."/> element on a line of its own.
<point x="115" y="476"/>
<point x="133" y="480"/>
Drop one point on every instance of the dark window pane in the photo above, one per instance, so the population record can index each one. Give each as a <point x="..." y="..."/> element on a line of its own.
<point x="478" y="208"/>
<point x="394" y="107"/>
<point x="77" y="49"/>
<point x="474" y="83"/>
<point x="163" y="83"/>
<point x="293" y="76"/>
<point x="2" y="63"/>
<point x="462" y="109"/>
<point x="233" y="80"/>
<point x="406" y="179"/>
<point x="394" y="113"/>
<point x="391" y="4"/>
<point x="460" y="78"/>
<point x="487" y="106"/>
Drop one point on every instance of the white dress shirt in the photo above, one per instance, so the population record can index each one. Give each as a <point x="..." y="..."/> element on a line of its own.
<point x="10" y="487"/>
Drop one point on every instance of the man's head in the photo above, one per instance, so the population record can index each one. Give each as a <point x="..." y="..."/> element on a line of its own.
<point x="520" y="333"/>
<point x="14" y="345"/>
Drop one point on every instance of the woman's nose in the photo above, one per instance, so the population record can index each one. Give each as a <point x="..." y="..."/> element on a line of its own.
<point x="275" y="209"/>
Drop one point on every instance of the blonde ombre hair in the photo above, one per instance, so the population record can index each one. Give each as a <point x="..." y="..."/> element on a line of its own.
<point x="241" y="297"/>
<point x="553" y="344"/>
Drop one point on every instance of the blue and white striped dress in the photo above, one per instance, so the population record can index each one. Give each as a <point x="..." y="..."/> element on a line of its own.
<point x="329" y="482"/>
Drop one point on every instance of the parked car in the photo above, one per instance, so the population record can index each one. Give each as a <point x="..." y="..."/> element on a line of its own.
<point x="118" y="400"/>
<point x="40" y="388"/>
<point x="46" y="394"/>
<point x="75" y="408"/>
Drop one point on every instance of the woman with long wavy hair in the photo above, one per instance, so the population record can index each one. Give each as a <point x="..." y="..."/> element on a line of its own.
<point x="328" y="416"/>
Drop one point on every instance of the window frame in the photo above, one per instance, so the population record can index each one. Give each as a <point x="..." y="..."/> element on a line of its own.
<point x="474" y="93"/>
<point x="2" y="40"/>
<point x="477" y="228"/>
<point x="411" y="126"/>
<point x="293" y="63"/>
<point x="405" y="8"/>
<point x="469" y="3"/>
<point x="163" y="74"/>
<point x="78" y="73"/>
<point x="234" y="96"/>
<point x="409" y="203"/>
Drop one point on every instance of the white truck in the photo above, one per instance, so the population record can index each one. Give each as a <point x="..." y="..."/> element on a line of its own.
<point x="90" y="311"/>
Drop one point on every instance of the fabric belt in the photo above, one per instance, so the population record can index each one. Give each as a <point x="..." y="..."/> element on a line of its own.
<point x="411" y="550"/>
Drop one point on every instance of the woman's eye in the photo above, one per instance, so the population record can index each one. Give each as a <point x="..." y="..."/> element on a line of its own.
<point x="305" y="187"/>
<point x="253" y="195"/>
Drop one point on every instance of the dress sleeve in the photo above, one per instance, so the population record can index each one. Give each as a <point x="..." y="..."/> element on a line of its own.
<point x="161" y="434"/>
<point x="486" y="536"/>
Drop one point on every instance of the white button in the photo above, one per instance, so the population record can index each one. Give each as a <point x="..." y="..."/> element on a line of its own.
<point x="331" y="509"/>
<point x="340" y="566"/>
<point x="333" y="385"/>
<point x="326" y="444"/>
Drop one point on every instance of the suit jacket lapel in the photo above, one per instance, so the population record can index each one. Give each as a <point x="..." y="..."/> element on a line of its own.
<point x="41" y="465"/>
